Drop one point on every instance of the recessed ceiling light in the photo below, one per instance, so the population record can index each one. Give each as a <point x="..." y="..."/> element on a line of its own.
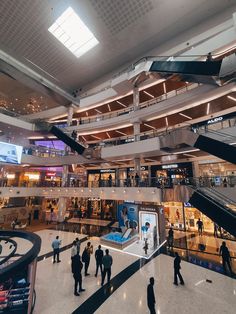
<point x="71" y="31"/>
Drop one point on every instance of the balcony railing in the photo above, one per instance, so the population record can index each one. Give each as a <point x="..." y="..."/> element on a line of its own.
<point x="155" y="182"/>
<point x="143" y="105"/>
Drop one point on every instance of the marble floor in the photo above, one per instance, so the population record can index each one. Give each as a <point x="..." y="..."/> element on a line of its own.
<point x="197" y="296"/>
<point x="54" y="285"/>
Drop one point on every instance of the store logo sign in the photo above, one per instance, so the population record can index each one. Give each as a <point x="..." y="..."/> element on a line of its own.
<point x="218" y="119"/>
<point x="170" y="166"/>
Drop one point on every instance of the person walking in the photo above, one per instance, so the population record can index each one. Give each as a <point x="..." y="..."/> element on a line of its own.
<point x="136" y="179"/>
<point x="200" y="226"/>
<point x="171" y="238"/>
<point x="151" y="297"/>
<point x="88" y="250"/>
<point x="78" y="245"/>
<point x="226" y="258"/>
<point x="107" y="262"/>
<point x="74" y="249"/>
<point x="76" y="267"/>
<point x="56" y="249"/>
<point x="98" y="257"/>
<point x="177" y="268"/>
<point x="29" y="219"/>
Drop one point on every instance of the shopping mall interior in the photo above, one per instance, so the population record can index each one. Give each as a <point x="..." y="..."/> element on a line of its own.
<point x="117" y="129"/>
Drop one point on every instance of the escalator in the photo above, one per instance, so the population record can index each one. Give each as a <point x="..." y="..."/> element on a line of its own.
<point x="192" y="71"/>
<point x="185" y="138"/>
<point x="67" y="139"/>
<point x="216" y="206"/>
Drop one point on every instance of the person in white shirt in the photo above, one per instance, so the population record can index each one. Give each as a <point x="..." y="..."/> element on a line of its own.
<point x="56" y="249"/>
<point x="74" y="249"/>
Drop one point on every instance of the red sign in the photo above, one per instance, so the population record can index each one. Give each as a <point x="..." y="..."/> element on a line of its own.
<point x="50" y="174"/>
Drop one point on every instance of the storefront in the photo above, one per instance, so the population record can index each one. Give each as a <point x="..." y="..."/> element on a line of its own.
<point x="143" y="176"/>
<point x="167" y="175"/>
<point x="101" y="177"/>
<point x="214" y="173"/>
<point x="50" y="209"/>
<point x="30" y="179"/>
<point x="52" y="178"/>
<point x="183" y="216"/>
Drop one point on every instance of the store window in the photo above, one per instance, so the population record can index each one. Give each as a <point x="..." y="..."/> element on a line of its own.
<point x="174" y="215"/>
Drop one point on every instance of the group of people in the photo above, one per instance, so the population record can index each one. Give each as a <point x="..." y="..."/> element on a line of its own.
<point x="103" y="262"/>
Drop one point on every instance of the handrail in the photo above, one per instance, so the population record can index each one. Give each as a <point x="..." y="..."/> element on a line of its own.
<point x="25" y="260"/>
<point x="218" y="204"/>
<point x="220" y="195"/>
<point x="154" y="101"/>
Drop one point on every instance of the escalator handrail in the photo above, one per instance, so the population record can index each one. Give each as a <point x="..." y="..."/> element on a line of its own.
<point x="222" y="196"/>
<point x="225" y="209"/>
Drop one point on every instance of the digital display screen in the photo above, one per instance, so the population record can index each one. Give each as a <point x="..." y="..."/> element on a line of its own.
<point x="56" y="144"/>
<point x="10" y="153"/>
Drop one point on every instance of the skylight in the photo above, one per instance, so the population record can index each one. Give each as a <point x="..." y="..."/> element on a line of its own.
<point x="71" y="31"/>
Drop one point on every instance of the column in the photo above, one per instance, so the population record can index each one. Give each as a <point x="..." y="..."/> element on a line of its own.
<point x="61" y="208"/>
<point x="67" y="148"/>
<point x="137" y="166"/>
<point x="136" y="127"/>
<point x="136" y="97"/>
<point x="70" y="115"/>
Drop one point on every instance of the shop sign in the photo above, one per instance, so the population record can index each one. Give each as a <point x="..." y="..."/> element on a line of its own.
<point x="143" y="168"/>
<point x="94" y="199"/>
<point x="215" y="120"/>
<point x="150" y="209"/>
<point x="187" y="204"/>
<point x="128" y="140"/>
<point x="50" y="174"/>
<point x="170" y="166"/>
<point x="107" y="170"/>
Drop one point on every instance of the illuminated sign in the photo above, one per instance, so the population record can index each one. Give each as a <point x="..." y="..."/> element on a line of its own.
<point x="170" y="166"/>
<point x="215" y="120"/>
<point x="141" y="168"/>
<point x="11" y="176"/>
<point x="32" y="176"/>
<point x="50" y="174"/>
<point x="107" y="170"/>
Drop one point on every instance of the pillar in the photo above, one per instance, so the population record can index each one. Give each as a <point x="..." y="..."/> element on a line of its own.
<point x="70" y="115"/>
<point x="67" y="149"/>
<point x="137" y="166"/>
<point x="136" y="127"/>
<point x="136" y="97"/>
<point x="61" y="208"/>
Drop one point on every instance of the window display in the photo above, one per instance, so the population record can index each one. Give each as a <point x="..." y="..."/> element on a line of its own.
<point x="174" y="215"/>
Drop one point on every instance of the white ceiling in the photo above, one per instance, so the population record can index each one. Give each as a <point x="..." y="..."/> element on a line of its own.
<point x="126" y="30"/>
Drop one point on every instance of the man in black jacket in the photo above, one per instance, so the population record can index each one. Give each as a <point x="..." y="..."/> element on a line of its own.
<point x="151" y="297"/>
<point x="98" y="257"/>
<point x="226" y="259"/>
<point x="77" y="266"/>
<point x="177" y="268"/>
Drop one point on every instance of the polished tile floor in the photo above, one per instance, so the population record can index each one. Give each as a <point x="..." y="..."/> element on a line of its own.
<point x="54" y="285"/>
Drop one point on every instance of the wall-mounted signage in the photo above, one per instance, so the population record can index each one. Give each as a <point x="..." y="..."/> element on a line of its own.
<point x="215" y="120"/>
<point x="143" y="168"/>
<point x="107" y="170"/>
<point x="50" y="174"/>
<point x="170" y="166"/>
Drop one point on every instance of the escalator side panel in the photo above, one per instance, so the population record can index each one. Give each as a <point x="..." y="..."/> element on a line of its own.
<point x="187" y="67"/>
<point x="67" y="140"/>
<point x="224" y="219"/>
<point x="216" y="148"/>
